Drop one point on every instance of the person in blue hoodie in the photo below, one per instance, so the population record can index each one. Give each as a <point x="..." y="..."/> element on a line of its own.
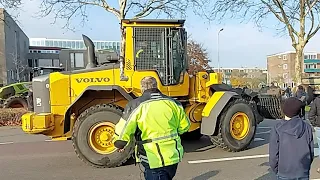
<point x="291" y="148"/>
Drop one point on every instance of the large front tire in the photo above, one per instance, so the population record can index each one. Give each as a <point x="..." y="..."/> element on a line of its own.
<point x="237" y="127"/>
<point x="92" y="137"/>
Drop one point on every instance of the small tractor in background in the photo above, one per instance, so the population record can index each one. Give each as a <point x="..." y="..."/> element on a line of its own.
<point x="85" y="105"/>
<point x="14" y="95"/>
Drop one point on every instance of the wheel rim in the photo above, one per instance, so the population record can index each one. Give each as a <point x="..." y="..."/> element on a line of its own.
<point x="100" y="138"/>
<point x="239" y="126"/>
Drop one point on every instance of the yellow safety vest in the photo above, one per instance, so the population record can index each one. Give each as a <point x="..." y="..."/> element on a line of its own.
<point x="157" y="121"/>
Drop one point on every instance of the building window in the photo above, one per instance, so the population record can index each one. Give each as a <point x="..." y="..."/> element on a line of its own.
<point x="284" y="57"/>
<point x="12" y="74"/>
<point x="310" y="66"/>
<point x="285" y="75"/>
<point x="77" y="45"/>
<point x="45" y="62"/>
<point x="30" y="62"/>
<point x="73" y="45"/>
<point x="285" y="66"/>
<point x="56" y="63"/>
<point x="72" y="60"/>
<point x="77" y="60"/>
<point x="310" y="56"/>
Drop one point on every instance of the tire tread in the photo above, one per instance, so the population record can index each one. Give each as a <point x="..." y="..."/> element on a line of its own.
<point x="218" y="140"/>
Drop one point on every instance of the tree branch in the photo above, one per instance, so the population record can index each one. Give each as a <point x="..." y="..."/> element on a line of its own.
<point x="311" y="6"/>
<point x="310" y="33"/>
<point x="148" y="9"/>
<point x="273" y="11"/>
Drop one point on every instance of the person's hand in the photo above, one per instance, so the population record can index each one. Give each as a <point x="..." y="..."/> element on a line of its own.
<point x="120" y="150"/>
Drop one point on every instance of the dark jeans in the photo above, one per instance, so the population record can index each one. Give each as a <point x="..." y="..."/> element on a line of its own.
<point x="284" y="178"/>
<point x="163" y="173"/>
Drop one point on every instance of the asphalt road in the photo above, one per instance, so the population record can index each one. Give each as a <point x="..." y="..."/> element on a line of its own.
<point x="31" y="157"/>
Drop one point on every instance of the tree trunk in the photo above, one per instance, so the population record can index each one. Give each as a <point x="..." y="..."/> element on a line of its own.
<point x="122" y="54"/>
<point x="297" y="65"/>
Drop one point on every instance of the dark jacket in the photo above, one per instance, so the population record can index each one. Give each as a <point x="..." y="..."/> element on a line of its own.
<point x="291" y="148"/>
<point x="301" y="93"/>
<point x="314" y="113"/>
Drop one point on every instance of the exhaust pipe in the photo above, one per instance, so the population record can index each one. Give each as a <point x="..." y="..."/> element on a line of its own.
<point x="92" y="62"/>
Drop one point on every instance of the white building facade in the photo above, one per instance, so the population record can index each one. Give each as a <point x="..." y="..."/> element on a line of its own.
<point x="73" y="44"/>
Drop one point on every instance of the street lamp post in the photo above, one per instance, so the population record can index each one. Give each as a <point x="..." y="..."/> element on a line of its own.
<point x="218" y="50"/>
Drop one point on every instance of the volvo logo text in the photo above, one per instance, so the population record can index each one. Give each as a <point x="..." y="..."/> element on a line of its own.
<point x="92" y="80"/>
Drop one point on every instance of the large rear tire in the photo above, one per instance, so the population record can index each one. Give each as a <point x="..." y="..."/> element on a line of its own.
<point x="237" y="126"/>
<point x="92" y="137"/>
<point x="15" y="102"/>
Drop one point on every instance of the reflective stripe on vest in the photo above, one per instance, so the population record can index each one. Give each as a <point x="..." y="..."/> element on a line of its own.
<point x="157" y="139"/>
<point x="143" y="158"/>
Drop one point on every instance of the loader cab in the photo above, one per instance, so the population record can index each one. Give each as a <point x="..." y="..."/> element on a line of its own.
<point x="158" y="46"/>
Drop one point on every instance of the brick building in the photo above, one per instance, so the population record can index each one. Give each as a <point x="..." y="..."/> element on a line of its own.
<point x="281" y="68"/>
<point x="253" y="72"/>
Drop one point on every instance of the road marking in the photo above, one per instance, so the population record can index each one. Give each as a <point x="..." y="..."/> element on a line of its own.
<point x="4" y="143"/>
<point x="228" y="159"/>
<point x="266" y="132"/>
<point x="258" y="139"/>
<point x="48" y="140"/>
<point x="316" y="151"/>
<point x="263" y="127"/>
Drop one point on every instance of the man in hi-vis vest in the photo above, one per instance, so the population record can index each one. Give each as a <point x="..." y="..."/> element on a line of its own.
<point x="156" y="121"/>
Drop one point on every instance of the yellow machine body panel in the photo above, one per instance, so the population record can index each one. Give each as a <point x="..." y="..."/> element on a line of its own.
<point x="211" y="103"/>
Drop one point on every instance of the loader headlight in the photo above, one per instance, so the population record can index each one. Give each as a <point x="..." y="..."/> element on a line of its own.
<point x="38" y="101"/>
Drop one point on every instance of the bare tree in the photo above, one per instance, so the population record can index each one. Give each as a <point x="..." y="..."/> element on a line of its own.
<point x="67" y="9"/>
<point x="300" y="19"/>
<point x="19" y="67"/>
<point x="11" y="4"/>
<point x="198" y="57"/>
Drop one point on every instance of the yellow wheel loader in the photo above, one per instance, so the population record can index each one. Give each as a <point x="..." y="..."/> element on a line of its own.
<point x="85" y="105"/>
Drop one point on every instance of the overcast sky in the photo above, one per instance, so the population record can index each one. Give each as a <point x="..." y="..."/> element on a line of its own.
<point x="241" y="45"/>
